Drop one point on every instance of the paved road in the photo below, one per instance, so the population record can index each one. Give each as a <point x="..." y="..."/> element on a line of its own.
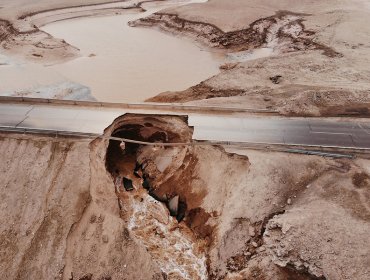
<point x="212" y="126"/>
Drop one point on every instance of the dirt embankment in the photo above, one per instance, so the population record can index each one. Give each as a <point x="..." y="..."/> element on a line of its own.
<point x="325" y="86"/>
<point x="288" y="100"/>
<point x="34" y="44"/>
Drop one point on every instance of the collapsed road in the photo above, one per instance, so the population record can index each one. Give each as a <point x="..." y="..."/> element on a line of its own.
<point x="208" y="125"/>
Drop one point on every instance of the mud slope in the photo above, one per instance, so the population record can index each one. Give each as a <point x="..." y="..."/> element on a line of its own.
<point x="323" y="87"/>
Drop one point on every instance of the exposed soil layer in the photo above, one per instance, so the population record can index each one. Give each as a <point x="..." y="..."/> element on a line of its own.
<point x="163" y="236"/>
<point x="177" y="180"/>
<point x="198" y="92"/>
<point x="59" y="216"/>
<point x="34" y="44"/>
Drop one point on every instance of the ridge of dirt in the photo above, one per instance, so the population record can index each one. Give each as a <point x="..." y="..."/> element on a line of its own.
<point x="291" y="34"/>
<point x="303" y="100"/>
<point x="197" y="92"/>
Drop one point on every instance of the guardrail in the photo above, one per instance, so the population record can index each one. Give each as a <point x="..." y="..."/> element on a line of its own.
<point x="47" y="132"/>
<point x="137" y="105"/>
<point x="318" y="153"/>
<point x="280" y="147"/>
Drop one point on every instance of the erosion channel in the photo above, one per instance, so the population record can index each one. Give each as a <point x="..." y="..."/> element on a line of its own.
<point x="150" y="202"/>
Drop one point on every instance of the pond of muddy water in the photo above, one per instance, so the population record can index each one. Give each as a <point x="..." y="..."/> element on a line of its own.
<point x="118" y="63"/>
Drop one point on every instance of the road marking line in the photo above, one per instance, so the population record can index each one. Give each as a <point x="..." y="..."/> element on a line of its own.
<point x="334" y="133"/>
<point x="26" y="117"/>
<point x="194" y="142"/>
<point x="366" y="130"/>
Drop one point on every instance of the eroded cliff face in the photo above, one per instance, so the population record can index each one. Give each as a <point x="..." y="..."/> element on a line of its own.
<point x="44" y="189"/>
<point x="184" y="212"/>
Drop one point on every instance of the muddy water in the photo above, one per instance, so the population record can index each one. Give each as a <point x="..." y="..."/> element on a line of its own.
<point x="118" y="63"/>
<point x="250" y="55"/>
<point x="125" y="64"/>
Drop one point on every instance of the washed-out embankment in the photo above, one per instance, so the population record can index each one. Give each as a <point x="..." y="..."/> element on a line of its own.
<point x="196" y="186"/>
<point x="182" y="213"/>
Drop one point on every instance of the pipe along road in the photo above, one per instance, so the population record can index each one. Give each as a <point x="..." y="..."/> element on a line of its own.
<point x="211" y="125"/>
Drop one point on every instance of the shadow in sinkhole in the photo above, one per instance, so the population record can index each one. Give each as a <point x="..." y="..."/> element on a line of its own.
<point x="122" y="160"/>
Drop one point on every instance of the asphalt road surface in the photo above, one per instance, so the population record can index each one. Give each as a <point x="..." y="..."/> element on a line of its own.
<point x="240" y="128"/>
